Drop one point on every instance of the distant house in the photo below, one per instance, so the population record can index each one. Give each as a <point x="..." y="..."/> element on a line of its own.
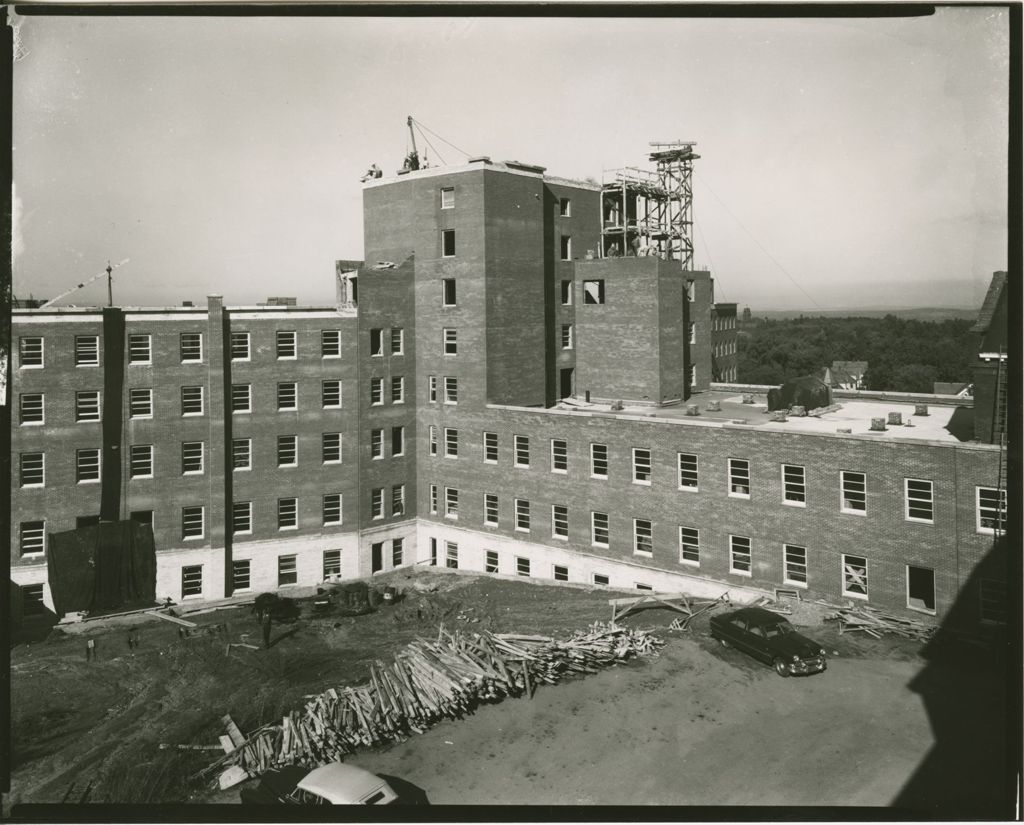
<point x="848" y="375"/>
<point x="960" y="389"/>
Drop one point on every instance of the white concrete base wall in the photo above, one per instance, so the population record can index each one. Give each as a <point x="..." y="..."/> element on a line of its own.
<point x="309" y="561"/>
<point x="406" y="531"/>
<point x="622" y="575"/>
<point x="24" y="575"/>
<point x="168" y="573"/>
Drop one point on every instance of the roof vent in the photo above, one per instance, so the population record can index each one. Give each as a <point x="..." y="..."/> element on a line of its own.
<point x="748" y="398"/>
<point x="920" y="409"/>
<point x="895" y="418"/>
<point x="714" y="406"/>
<point x="878" y="424"/>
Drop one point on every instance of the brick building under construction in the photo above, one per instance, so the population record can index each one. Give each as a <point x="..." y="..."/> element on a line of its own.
<point x="525" y="377"/>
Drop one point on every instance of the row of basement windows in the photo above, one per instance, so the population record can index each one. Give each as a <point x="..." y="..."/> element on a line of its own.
<point x="32" y="350"/>
<point x="32" y="406"/>
<point x="918" y="493"/>
<point x="142" y="457"/>
<point x="287" y="571"/>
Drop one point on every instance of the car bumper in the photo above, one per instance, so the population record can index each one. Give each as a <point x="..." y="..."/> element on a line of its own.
<point x="807" y="666"/>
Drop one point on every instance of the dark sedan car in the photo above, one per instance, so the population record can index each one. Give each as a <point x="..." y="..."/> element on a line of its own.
<point x="769" y="638"/>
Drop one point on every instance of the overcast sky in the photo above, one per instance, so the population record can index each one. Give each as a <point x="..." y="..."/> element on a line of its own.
<point x="844" y="162"/>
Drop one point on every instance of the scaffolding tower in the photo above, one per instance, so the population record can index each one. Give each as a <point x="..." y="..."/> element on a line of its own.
<point x="651" y="213"/>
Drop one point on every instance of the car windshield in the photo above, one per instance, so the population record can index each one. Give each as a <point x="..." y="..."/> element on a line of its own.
<point x="780" y="629"/>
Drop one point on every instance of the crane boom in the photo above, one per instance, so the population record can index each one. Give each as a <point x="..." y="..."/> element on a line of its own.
<point x="85" y="283"/>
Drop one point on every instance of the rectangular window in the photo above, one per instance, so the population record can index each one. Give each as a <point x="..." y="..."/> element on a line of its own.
<point x="140" y="403"/>
<point x="522" y="451"/>
<point x="566" y="293"/>
<point x="330" y="343"/>
<point x="739" y="555"/>
<point x="451" y="442"/>
<point x="432" y="389"/>
<point x="451" y="555"/>
<point x="559" y="521"/>
<point x="32" y="537"/>
<point x="241" y="346"/>
<point x="332" y="563"/>
<point x="192" y="522"/>
<point x="140" y="349"/>
<point x="795" y="558"/>
<point x="600" y="578"/>
<point x="376" y="443"/>
<point x="451" y="503"/>
<point x="140" y="462"/>
<point x="287" y="450"/>
<point x="691" y="333"/>
<point x="397" y="441"/>
<point x="87" y="351"/>
<point x="432" y="439"/>
<point x="689" y="546"/>
<point x="287" y="570"/>
<point x="191" y="347"/>
<point x="33" y="470"/>
<point x="241" y="517"/>
<point x="87" y="406"/>
<point x="565" y="248"/>
<point x="490" y="561"/>
<point x="448" y="197"/>
<point x="593" y="292"/>
<point x="522" y="566"/>
<point x="566" y="336"/>
<point x="241" y="398"/>
<point x="286" y="344"/>
<point x="287" y="395"/>
<point x="739" y="478"/>
<point x="433" y="499"/>
<point x="398" y="500"/>
<point x="688" y="472"/>
<point x="992" y="601"/>
<point x="87" y="465"/>
<point x="599" y="460"/>
<point x="143" y="517"/>
<point x="491" y="448"/>
<point x="559" y="455"/>
<point x="565" y="207"/>
<point x="561" y="573"/>
<point x="376" y="391"/>
<point x="643" y="537"/>
<point x="448" y="295"/>
<point x="490" y="509"/>
<point x="330" y="394"/>
<point x="451" y="390"/>
<point x="991" y="510"/>
<point x="855" y="576"/>
<point x="794" y="485"/>
<point x="30" y="350"/>
<point x="31" y="408"/>
<point x="397" y="552"/>
<point x="447" y="243"/>
<point x="287" y="513"/>
<point x="330" y="448"/>
<point x="376" y="343"/>
<point x="599" y="535"/>
<point x="397" y="340"/>
<point x="522" y="515"/>
<point x="921" y="589"/>
<point x="641" y="466"/>
<point x="397" y="389"/>
<point x="241" y="453"/>
<point x="241" y="574"/>
<point x="192" y="457"/>
<point x="330" y="507"/>
<point x="450" y="340"/>
<point x="191" y="400"/>
<point x="854" y="492"/>
<point x="32" y="603"/>
<point x="919" y="500"/>
<point x="641" y="586"/>
<point x="693" y="375"/>
<point x="191" y="580"/>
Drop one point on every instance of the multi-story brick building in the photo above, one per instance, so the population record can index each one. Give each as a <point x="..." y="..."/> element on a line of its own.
<point x="503" y="399"/>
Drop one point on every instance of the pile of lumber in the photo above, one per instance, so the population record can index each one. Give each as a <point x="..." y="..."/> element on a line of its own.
<point x="876" y="623"/>
<point x="429" y="681"/>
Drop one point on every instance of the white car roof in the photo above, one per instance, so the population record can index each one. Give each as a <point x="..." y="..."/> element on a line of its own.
<point x="342" y="784"/>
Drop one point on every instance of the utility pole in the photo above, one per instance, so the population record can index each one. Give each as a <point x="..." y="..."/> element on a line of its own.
<point x="110" y="285"/>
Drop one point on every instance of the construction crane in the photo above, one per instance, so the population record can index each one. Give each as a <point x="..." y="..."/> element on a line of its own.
<point x="109" y="271"/>
<point x="412" y="160"/>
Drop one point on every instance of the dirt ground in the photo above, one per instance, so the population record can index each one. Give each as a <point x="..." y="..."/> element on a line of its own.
<point x="697" y="725"/>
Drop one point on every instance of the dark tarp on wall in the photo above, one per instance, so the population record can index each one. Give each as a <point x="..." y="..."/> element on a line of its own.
<point x="110" y="566"/>
<point x="808" y="391"/>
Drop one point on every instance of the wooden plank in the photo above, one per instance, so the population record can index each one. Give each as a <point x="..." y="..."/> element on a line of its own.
<point x="226" y="743"/>
<point x="174" y="619"/>
<point x="233" y="731"/>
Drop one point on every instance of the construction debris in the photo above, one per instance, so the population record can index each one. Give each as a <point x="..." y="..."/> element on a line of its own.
<point x="676" y="601"/>
<point x="876" y="623"/>
<point x="427" y="682"/>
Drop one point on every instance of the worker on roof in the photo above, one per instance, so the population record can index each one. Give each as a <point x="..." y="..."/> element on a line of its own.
<point x="372" y="172"/>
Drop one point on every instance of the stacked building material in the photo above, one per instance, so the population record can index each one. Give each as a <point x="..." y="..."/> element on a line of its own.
<point x="429" y="681"/>
<point x="876" y="623"/>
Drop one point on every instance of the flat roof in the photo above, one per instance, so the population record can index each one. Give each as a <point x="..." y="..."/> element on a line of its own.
<point x="944" y="423"/>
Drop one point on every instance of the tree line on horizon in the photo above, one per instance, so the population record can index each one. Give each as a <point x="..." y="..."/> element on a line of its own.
<point x="903" y="355"/>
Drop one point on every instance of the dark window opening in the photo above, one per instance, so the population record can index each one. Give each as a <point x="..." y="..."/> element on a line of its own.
<point x="593" y="292"/>
<point x="448" y="243"/>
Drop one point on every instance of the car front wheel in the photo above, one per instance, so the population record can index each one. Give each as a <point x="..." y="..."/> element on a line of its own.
<point x="781" y="668"/>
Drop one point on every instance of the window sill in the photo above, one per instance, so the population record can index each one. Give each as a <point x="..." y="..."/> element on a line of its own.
<point x="561" y="472"/>
<point x="853" y="512"/>
<point x="281" y="358"/>
<point x="490" y="461"/>
<point x="689" y="489"/>
<point x="521" y="466"/>
<point x="233" y="469"/>
<point x="923" y="610"/>
<point x="233" y="412"/>
<point x="740" y="495"/>
<point x="242" y="533"/>
<point x="598" y="544"/>
<point x="522" y="529"/>
<point x="929" y="522"/>
<point x="140" y="363"/>
<point x="332" y="461"/>
<point x="193" y="363"/>
<point x="88" y="481"/>
<point x="33" y="424"/>
<point x="240" y="360"/>
<point x="87" y="366"/>
<point x="644" y="553"/>
<point x="744" y="573"/>
<point x="795" y="503"/>
<point x="791" y="583"/>
<point x="287" y="409"/>
<point x="146" y="417"/>
<point x="193" y="538"/>
<point x="556" y="537"/>
<point x="641" y="482"/>
<point x="689" y="563"/>
<point x="329" y="357"/>
<point x="599" y="478"/>
<point x="88" y="420"/>
<point x="451" y="518"/>
<point x="490" y="524"/>
<point x="451" y="456"/>
<point x="332" y="524"/>
<point x="30" y="366"/>
<point x="860" y="596"/>
<point x="185" y="598"/>
<point x="192" y="414"/>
